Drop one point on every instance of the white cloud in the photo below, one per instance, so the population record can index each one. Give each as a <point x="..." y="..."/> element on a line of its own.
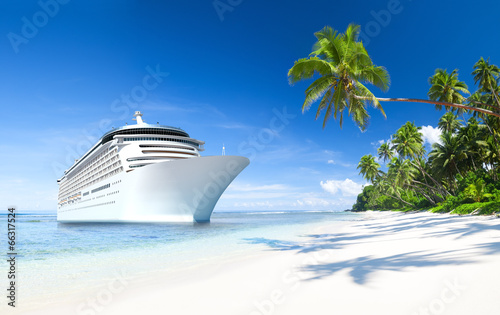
<point x="347" y="187"/>
<point x="331" y="162"/>
<point x="430" y="134"/>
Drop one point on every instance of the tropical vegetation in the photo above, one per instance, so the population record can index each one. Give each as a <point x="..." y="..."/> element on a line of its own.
<point x="460" y="172"/>
<point x="458" y="175"/>
<point x="345" y="69"/>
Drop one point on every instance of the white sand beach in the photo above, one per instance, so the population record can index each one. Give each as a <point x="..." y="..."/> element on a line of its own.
<point x="385" y="263"/>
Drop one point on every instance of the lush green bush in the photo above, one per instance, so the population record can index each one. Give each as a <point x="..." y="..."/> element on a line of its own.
<point x="450" y="203"/>
<point x="480" y="207"/>
<point x="490" y="208"/>
<point x="363" y="199"/>
<point x="437" y="209"/>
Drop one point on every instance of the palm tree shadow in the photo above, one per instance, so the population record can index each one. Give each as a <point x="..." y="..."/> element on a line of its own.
<point x="362" y="267"/>
<point x="320" y="242"/>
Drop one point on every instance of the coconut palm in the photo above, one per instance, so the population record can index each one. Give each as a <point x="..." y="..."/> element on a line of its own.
<point x="385" y="152"/>
<point x="343" y="64"/>
<point x="344" y="67"/>
<point x="449" y="122"/>
<point x="445" y="87"/>
<point x="368" y="167"/>
<point x="473" y="138"/>
<point x="477" y="191"/>
<point x="387" y="188"/>
<point x="446" y="156"/>
<point x="408" y="142"/>
<point x="486" y="75"/>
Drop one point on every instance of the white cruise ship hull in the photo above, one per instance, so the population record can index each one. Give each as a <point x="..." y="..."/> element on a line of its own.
<point x="171" y="191"/>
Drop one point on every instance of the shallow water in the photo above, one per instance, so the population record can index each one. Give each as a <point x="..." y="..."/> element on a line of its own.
<point x="55" y="257"/>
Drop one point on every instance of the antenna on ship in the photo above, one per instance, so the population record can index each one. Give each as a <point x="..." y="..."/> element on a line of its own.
<point x="223" y="149"/>
<point x="138" y="117"/>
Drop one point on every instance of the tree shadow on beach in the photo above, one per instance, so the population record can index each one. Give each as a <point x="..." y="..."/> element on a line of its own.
<point x="361" y="267"/>
<point x="426" y="222"/>
<point x="319" y="242"/>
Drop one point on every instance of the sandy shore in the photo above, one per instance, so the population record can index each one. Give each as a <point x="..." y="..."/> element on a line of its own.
<point x="386" y="263"/>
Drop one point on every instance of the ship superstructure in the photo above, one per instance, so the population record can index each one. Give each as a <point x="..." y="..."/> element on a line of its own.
<point x="147" y="173"/>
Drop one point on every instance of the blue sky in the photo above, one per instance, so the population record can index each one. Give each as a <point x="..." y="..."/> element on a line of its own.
<point x="217" y="69"/>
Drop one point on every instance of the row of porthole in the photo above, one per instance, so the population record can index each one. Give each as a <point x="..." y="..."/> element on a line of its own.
<point x="101" y="204"/>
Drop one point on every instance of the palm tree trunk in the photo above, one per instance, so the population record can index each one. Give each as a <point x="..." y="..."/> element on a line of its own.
<point x="493" y="92"/>
<point x="432" y="190"/>
<point x="420" y="191"/>
<point x="417" y="100"/>
<point x="441" y="188"/>
<point x="398" y="198"/>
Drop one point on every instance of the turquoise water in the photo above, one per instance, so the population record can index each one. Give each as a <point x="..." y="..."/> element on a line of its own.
<point x="70" y="257"/>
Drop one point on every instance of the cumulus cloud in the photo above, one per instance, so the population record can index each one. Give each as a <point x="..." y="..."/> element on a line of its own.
<point x="347" y="187"/>
<point x="430" y="134"/>
<point x="331" y="162"/>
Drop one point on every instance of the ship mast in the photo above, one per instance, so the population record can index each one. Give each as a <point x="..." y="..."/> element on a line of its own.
<point x="138" y="118"/>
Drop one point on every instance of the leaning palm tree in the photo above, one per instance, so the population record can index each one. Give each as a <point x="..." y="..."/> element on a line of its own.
<point x="344" y="67"/>
<point x="408" y="143"/>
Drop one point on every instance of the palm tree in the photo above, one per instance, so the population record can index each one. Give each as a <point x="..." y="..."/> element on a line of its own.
<point x="449" y="123"/>
<point x="344" y="67"/>
<point x="477" y="190"/>
<point x="387" y="188"/>
<point x="486" y="74"/>
<point x="408" y="141"/>
<point x="343" y="64"/>
<point x="368" y="167"/>
<point x="473" y="137"/>
<point x="446" y="88"/>
<point x="385" y="152"/>
<point x="445" y="157"/>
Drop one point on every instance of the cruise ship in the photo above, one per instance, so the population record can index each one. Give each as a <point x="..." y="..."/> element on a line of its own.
<point x="145" y="173"/>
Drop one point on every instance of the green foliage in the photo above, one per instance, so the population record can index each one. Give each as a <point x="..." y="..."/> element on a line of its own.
<point x="450" y="203"/>
<point x="477" y="191"/>
<point x="461" y="173"/>
<point x="344" y="66"/>
<point x="478" y="207"/>
<point x="363" y="199"/>
<point x="437" y="209"/>
<point x="445" y="87"/>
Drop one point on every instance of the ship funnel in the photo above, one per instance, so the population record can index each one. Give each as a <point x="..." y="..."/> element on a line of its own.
<point x="138" y="117"/>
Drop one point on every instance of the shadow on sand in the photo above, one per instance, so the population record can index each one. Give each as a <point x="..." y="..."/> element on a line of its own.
<point x="361" y="267"/>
